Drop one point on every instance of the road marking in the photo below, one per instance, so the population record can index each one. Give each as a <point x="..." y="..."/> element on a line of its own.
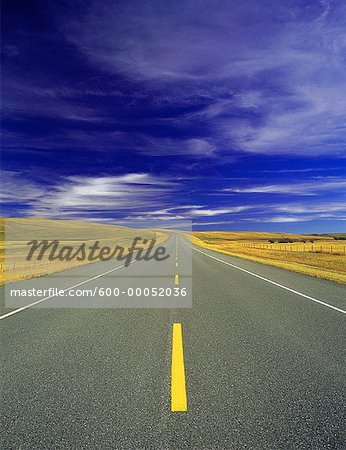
<point x="176" y="264"/>
<point x="178" y="387"/>
<point x="23" y="308"/>
<point x="270" y="281"/>
<point x="176" y="281"/>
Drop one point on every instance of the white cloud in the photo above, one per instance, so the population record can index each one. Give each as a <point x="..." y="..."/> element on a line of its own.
<point x="216" y="211"/>
<point x="302" y="188"/>
<point x="311" y="208"/>
<point x="87" y="196"/>
<point x="285" y="219"/>
<point x="141" y="199"/>
<point x="220" y="222"/>
<point x="290" y="58"/>
<point x="169" y="146"/>
<point x="16" y="189"/>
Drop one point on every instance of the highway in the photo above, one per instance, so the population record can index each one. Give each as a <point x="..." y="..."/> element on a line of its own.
<point x="257" y="361"/>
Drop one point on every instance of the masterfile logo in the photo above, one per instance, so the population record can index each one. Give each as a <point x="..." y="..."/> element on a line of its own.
<point x="90" y="266"/>
<point x="140" y="249"/>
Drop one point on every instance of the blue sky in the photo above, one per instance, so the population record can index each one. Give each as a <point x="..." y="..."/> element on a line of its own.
<point x="230" y="114"/>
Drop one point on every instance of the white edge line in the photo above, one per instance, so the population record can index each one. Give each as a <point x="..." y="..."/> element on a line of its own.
<point x="23" y="308"/>
<point x="269" y="281"/>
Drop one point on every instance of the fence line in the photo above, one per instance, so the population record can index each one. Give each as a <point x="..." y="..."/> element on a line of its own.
<point x="307" y="248"/>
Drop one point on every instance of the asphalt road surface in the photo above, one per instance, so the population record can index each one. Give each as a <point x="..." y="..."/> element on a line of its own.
<point x="262" y="364"/>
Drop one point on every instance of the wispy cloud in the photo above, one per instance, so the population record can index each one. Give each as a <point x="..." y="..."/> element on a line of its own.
<point x="207" y="224"/>
<point x="78" y="196"/>
<point x="282" y="219"/>
<point x="292" y="60"/>
<point x="218" y="81"/>
<point x="144" y="200"/>
<point x="327" y="207"/>
<point x="16" y="189"/>
<point x="301" y="188"/>
<point x="174" y="111"/>
<point x="216" y="212"/>
<point x="188" y="212"/>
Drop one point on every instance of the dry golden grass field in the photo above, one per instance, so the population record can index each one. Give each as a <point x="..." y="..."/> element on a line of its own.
<point x="320" y="256"/>
<point x="16" y="233"/>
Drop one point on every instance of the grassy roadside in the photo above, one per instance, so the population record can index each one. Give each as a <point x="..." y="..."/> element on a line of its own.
<point x="16" y="233"/>
<point x="260" y="247"/>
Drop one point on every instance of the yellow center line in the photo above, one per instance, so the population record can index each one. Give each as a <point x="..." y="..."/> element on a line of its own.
<point x="176" y="280"/>
<point x="178" y="388"/>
